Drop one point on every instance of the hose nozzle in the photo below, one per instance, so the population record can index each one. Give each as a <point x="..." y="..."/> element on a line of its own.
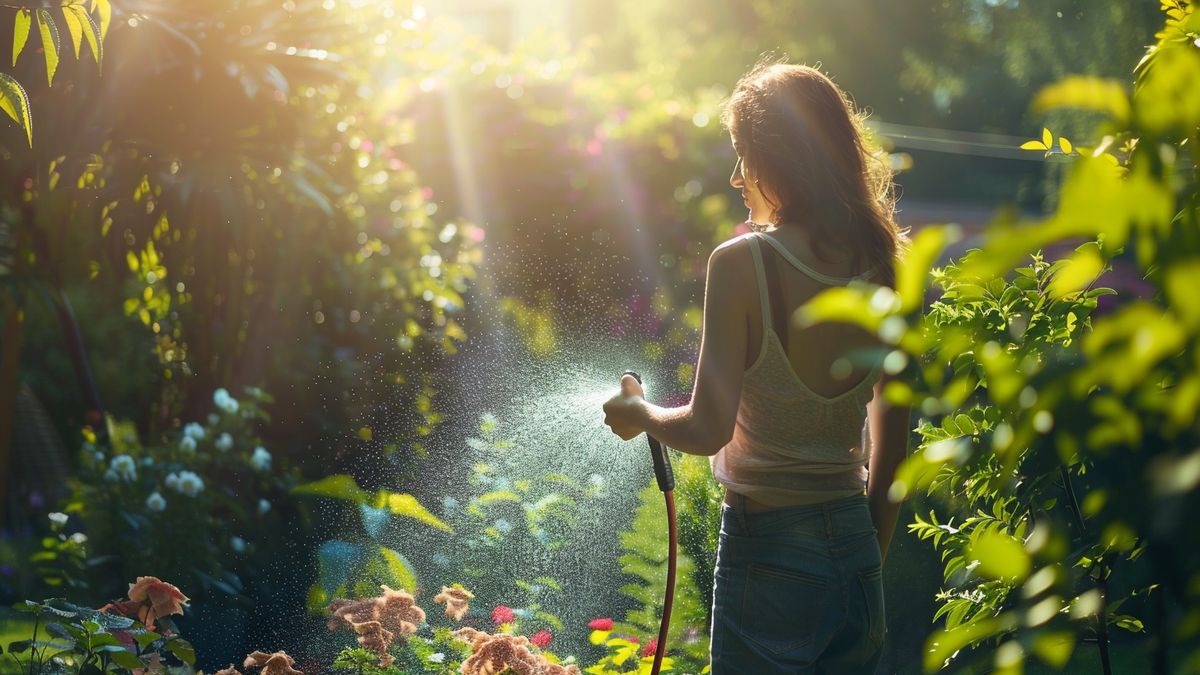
<point x="662" y="463"/>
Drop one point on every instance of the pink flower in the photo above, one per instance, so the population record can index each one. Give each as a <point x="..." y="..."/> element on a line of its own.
<point x="542" y="638"/>
<point x="600" y="624"/>
<point x="502" y="614"/>
<point x="650" y="648"/>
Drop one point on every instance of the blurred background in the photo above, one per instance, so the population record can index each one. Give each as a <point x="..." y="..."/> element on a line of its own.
<point x="389" y="248"/>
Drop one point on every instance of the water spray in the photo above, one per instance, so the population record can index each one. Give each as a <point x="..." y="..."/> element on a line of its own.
<point x="666" y="482"/>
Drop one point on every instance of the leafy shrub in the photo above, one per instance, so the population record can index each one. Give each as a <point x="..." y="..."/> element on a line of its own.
<point x="1063" y="458"/>
<point x="211" y="490"/>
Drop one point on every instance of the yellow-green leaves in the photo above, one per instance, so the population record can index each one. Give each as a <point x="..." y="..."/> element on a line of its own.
<point x="103" y="10"/>
<point x="407" y="505"/>
<point x="1046" y="144"/>
<point x="81" y="26"/>
<point x="1000" y="556"/>
<point x="1088" y="93"/>
<point x="50" y="42"/>
<point x="21" y="24"/>
<point x="15" y="103"/>
<point x="1168" y="96"/>
<point x="1078" y="271"/>
<point x="912" y="274"/>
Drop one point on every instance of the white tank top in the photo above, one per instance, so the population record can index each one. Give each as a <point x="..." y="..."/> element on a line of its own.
<point x="790" y="444"/>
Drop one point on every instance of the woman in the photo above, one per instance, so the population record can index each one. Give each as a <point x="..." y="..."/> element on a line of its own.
<point x="791" y="415"/>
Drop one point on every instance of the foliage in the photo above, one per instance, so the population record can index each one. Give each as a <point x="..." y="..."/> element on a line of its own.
<point x="357" y="568"/>
<point x="510" y="516"/>
<point x="1062" y="457"/>
<point x="84" y="21"/>
<point x="211" y="490"/>
<point x="86" y="640"/>
<point x="645" y="559"/>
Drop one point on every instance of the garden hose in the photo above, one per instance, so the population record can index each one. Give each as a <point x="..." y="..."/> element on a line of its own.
<point x="666" y="482"/>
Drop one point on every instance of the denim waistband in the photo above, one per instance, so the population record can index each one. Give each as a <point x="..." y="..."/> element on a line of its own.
<point x="834" y="518"/>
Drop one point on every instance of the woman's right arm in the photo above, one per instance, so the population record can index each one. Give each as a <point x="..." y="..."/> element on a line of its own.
<point x="889" y="426"/>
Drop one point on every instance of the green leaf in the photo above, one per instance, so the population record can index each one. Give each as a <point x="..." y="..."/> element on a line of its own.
<point x="15" y="102"/>
<point x="407" y="505"/>
<point x="337" y="486"/>
<point x="913" y="273"/>
<point x="50" y="42"/>
<point x="400" y="568"/>
<point x="103" y="9"/>
<point x="126" y="659"/>
<point x="74" y="28"/>
<point x="1079" y="270"/>
<point x="182" y="649"/>
<point x="21" y="24"/>
<point x="1000" y="556"/>
<point x="1088" y="93"/>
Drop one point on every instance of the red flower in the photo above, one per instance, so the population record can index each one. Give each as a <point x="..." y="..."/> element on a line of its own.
<point x="600" y="624"/>
<point x="650" y="648"/>
<point x="542" y="638"/>
<point x="502" y="614"/>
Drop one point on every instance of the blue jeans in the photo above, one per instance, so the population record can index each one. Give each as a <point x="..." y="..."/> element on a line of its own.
<point x="798" y="590"/>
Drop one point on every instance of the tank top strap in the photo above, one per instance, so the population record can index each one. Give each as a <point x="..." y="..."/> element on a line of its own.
<point x="760" y="275"/>
<point x="775" y="297"/>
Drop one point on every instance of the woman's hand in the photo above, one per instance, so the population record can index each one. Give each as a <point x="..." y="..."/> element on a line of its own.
<point x="624" y="412"/>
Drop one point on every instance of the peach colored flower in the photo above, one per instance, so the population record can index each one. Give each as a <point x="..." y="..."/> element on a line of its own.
<point x="493" y="654"/>
<point x="277" y="663"/>
<point x="378" y="621"/>
<point x="456" y="598"/>
<point x="228" y="671"/>
<point x="164" y="598"/>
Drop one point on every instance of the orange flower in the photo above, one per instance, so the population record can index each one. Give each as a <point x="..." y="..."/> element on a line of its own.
<point x="456" y="598"/>
<point x="228" y="671"/>
<point x="164" y="599"/>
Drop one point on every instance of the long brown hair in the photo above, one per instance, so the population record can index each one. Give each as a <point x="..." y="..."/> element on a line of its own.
<point x="803" y="141"/>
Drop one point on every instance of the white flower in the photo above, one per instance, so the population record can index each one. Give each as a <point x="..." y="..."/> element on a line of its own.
<point x="193" y="431"/>
<point x="58" y="518"/>
<point x="79" y="539"/>
<point x="437" y="657"/>
<point x="124" y="467"/>
<point x="237" y="544"/>
<point x="449" y="503"/>
<point x="155" y="501"/>
<point x="224" y="442"/>
<point x="172" y="481"/>
<point x="213" y="418"/>
<point x="147" y="461"/>
<point x="111" y="476"/>
<point x="261" y="459"/>
<point x="98" y="456"/>
<point x="264" y="507"/>
<point x="503" y="526"/>
<point x="224" y="401"/>
<point x="190" y="484"/>
<point x="188" y="445"/>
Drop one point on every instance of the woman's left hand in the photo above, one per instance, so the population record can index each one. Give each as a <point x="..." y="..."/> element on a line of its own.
<point x="623" y="413"/>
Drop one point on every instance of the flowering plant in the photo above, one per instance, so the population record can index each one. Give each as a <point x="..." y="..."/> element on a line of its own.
<point x="135" y="634"/>
<point x="210" y="490"/>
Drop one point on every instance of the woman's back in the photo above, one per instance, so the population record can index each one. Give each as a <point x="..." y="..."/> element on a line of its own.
<point x="800" y="434"/>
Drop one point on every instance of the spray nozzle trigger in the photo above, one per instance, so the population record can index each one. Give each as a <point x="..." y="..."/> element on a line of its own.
<point x="662" y="463"/>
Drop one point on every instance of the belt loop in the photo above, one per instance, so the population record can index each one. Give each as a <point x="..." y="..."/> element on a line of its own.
<point x="740" y="509"/>
<point x="828" y="513"/>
